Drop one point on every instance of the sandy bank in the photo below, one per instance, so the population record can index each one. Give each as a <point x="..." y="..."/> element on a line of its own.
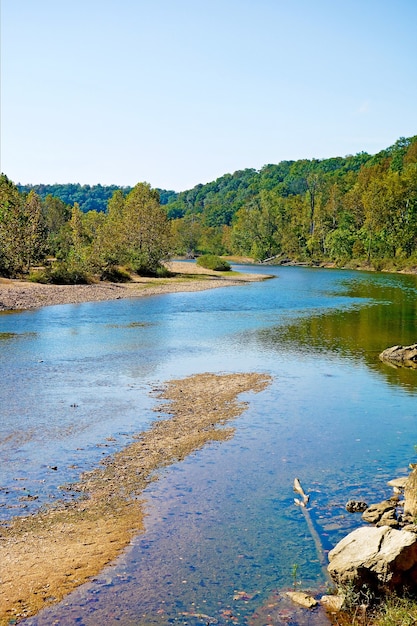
<point x="19" y="294"/>
<point x="45" y="556"/>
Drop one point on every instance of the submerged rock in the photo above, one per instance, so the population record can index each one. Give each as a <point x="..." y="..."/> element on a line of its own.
<point x="332" y="603"/>
<point x="380" y="558"/>
<point x="303" y="599"/>
<point x="401" y="355"/>
<point x="356" y="506"/>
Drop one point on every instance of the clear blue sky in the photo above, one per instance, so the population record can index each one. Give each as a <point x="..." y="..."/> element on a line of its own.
<point x="180" y="92"/>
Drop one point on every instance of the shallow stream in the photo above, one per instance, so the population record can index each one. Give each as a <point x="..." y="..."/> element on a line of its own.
<point x="222" y="532"/>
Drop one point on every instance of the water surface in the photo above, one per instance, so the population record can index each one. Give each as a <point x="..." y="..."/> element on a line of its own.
<point x="222" y="530"/>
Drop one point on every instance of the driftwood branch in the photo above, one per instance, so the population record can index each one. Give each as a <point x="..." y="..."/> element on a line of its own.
<point x="321" y="554"/>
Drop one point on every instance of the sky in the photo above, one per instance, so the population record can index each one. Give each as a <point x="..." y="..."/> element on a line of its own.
<point x="179" y="92"/>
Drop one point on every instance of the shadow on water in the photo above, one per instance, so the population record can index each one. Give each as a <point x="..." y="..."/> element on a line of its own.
<point x="359" y="333"/>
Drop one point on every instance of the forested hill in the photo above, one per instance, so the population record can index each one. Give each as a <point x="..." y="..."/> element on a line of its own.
<point x="355" y="207"/>
<point x="88" y="197"/>
<point x="359" y="209"/>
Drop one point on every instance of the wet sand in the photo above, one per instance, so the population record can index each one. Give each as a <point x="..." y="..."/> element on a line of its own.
<point x="20" y="294"/>
<point x="46" y="555"/>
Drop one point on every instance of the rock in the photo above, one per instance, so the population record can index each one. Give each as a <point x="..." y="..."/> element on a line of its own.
<point x="374" y="512"/>
<point x="301" y="598"/>
<point x="398" y="483"/>
<point x="412" y="528"/>
<point x="356" y="506"/>
<point x="401" y="355"/>
<point x="388" y="518"/>
<point x="410" y="495"/>
<point x="381" y="558"/>
<point x="332" y="603"/>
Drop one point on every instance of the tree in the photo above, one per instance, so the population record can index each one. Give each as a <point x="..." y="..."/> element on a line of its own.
<point x="10" y="203"/>
<point x="186" y="234"/>
<point x="136" y="231"/>
<point x="33" y="241"/>
<point x="22" y="233"/>
<point x="145" y="229"/>
<point x="55" y="214"/>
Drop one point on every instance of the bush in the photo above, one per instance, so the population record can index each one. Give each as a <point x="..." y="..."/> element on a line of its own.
<point x="156" y="270"/>
<point x="163" y="272"/>
<point x="60" y="275"/>
<point x="213" y="262"/>
<point x="115" y="274"/>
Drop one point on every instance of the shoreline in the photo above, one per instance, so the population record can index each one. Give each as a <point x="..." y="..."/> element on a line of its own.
<point x="47" y="555"/>
<point x="18" y="295"/>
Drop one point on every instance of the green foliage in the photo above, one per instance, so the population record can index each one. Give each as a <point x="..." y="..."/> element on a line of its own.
<point x="134" y="232"/>
<point x="142" y="230"/>
<point x="213" y="262"/>
<point x="61" y="274"/>
<point x="115" y="274"/>
<point x="391" y="610"/>
<point x="88" y="197"/>
<point x="22" y="230"/>
<point x="358" y="210"/>
<point x="163" y="272"/>
<point x="359" y="207"/>
<point x="294" y="575"/>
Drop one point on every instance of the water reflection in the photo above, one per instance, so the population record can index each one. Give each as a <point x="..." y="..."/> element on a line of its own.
<point x="386" y="316"/>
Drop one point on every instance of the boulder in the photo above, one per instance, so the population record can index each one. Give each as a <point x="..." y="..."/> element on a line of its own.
<point x="410" y="495"/>
<point x="301" y="598"/>
<point x="332" y="603"/>
<point x="398" y="483"/>
<point x="356" y="506"/>
<point x="389" y="518"/>
<point x="374" y="512"/>
<point x="401" y="355"/>
<point x="380" y="558"/>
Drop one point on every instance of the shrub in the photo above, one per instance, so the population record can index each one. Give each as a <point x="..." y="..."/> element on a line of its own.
<point x="115" y="274"/>
<point x="157" y="270"/>
<point x="213" y="262"/>
<point x="60" y="275"/>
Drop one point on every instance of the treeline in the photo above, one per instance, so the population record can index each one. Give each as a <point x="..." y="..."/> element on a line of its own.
<point x="357" y="209"/>
<point x="88" y="197"/>
<point x="353" y="210"/>
<point x="134" y="234"/>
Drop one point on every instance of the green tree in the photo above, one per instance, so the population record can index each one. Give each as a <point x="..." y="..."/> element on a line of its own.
<point x="22" y="233"/>
<point x="186" y="234"/>
<point x="145" y="229"/>
<point x="10" y="206"/>
<point x="33" y="231"/>
<point x="136" y="232"/>
<point x="55" y="214"/>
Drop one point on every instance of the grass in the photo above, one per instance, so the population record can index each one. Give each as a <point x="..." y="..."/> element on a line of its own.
<point x="393" y="611"/>
<point x="396" y="612"/>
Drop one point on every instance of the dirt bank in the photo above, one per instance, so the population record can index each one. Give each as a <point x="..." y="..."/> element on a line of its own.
<point x="45" y="556"/>
<point x="19" y="294"/>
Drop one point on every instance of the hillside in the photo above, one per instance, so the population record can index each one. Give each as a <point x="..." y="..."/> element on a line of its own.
<point x="354" y="210"/>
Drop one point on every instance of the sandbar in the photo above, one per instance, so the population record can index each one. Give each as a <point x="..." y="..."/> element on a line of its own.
<point x="46" y="555"/>
<point x="22" y="294"/>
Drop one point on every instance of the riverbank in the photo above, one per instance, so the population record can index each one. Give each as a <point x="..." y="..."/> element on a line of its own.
<point x="46" y="555"/>
<point x="20" y="294"/>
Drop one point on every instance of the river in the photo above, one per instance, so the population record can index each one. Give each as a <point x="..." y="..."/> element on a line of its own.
<point x="222" y="531"/>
